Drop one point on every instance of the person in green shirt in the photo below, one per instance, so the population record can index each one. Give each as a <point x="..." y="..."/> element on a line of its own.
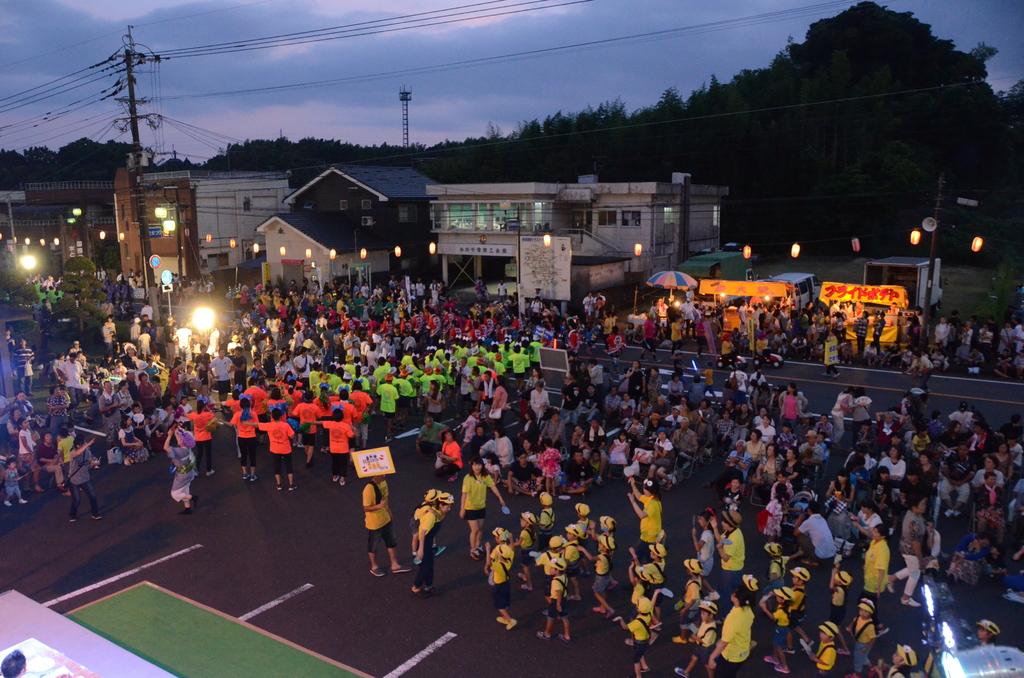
<point x="388" y="395"/>
<point x="535" y="347"/>
<point x="406" y="393"/>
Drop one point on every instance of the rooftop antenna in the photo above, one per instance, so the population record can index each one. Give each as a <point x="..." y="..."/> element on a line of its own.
<point x="405" y="96"/>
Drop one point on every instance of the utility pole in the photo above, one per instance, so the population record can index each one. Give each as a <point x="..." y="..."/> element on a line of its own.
<point x="926" y="315"/>
<point x="136" y="162"/>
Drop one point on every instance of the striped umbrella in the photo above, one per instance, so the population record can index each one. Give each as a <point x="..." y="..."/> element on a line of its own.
<point x="671" y="280"/>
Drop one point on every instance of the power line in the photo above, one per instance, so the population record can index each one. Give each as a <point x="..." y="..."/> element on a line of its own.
<point x="766" y="17"/>
<point x="421" y="24"/>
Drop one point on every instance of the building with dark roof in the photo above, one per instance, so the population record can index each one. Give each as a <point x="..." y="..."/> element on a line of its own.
<point x="387" y="203"/>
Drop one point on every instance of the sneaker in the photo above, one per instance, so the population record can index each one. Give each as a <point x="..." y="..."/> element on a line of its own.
<point x="438" y="550"/>
<point x="511" y="624"/>
<point x="789" y="650"/>
<point x="376" y="572"/>
<point x="245" y="477"/>
<point x="680" y="672"/>
<point x="72" y="519"/>
<point x="770" y="659"/>
<point x="949" y="513"/>
<point x="543" y="636"/>
<point x="292" y="488"/>
<point x="910" y="602"/>
<point x="334" y="479"/>
<point x="564" y="639"/>
<point x="779" y="668"/>
<point x="210" y="472"/>
<point x="341" y="481"/>
<point x="401" y="569"/>
<point x="97" y="517"/>
<point x="253" y="478"/>
<point x="279" y="488"/>
<point x="7" y="503"/>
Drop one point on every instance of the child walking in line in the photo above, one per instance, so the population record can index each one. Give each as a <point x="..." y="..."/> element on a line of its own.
<point x="498" y="567"/>
<point x="641" y="633"/>
<point x="705" y="639"/>
<point x="558" y="606"/>
<point x="527" y="542"/>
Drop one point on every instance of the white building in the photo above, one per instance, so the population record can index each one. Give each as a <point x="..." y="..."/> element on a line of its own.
<point x="605" y="222"/>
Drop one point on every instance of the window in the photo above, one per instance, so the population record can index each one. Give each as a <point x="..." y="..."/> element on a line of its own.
<point x="630" y="219"/>
<point x="343" y="205"/>
<point x="247" y="205"/>
<point x="366" y="204"/>
<point x="366" y="221"/>
<point x="671" y="216"/>
<point x="716" y="215"/>
<point x="406" y="214"/>
<point x="607" y="217"/>
<point x="460" y="216"/>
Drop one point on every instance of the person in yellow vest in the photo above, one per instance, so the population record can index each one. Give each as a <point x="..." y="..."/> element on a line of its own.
<point x="527" y="542"/>
<point x="571" y="553"/>
<point x="705" y="638"/>
<point x="602" y="573"/>
<point x="839" y="585"/>
<point x="825" y="656"/>
<point x="688" y="606"/>
<point x="862" y="629"/>
<point x="546" y="520"/>
<point x="498" y="567"/>
<point x="641" y="635"/>
<point x="831" y="355"/>
<point x="783" y="598"/>
<point x="558" y="606"/>
<point x="733" y="647"/>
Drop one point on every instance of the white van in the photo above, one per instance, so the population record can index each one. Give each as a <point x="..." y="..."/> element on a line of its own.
<point x="806" y="286"/>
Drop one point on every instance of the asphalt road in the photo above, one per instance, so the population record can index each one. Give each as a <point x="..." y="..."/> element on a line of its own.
<point x="258" y="544"/>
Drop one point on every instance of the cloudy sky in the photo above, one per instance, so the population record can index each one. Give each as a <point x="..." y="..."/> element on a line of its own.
<point x="45" y="39"/>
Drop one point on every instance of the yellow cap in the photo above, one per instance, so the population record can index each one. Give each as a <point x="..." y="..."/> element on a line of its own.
<point x="606" y="542"/>
<point x="709" y="606"/>
<point x="607" y="523"/>
<point x="801" y="573"/>
<point x="446" y="498"/>
<point x="431" y="496"/>
<point x="989" y="626"/>
<point x="785" y="593"/>
<point x="692" y="566"/>
<point x="750" y="582"/>
<point x="582" y="510"/>
<point x="546" y="499"/>
<point x="658" y="551"/>
<point x="574" y="531"/>
<point x="500" y="534"/>
<point x="528" y="517"/>
<point x="556" y="543"/>
<point x="644" y="605"/>
<point x="774" y="549"/>
<point x="906" y="654"/>
<point x="844" y="577"/>
<point x="829" y="629"/>
<point x="866" y="606"/>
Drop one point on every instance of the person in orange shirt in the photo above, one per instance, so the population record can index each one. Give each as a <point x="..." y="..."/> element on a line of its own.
<point x="363" y="403"/>
<point x="232" y="403"/>
<point x="258" y="395"/>
<point x="450" y="456"/>
<point x="280" y="434"/>
<point x="307" y="412"/>
<point x="245" y="424"/>
<point x="201" y="419"/>
<point x="340" y="432"/>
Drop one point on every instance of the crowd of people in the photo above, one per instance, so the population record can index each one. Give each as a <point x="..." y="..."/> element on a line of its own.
<point x="308" y="369"/>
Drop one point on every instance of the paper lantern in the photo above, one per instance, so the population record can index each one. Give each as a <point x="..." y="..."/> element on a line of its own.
<point x="333" y="254"/>
<point x="103" y="235"/>
<point x="56" y="242"/>
<point x="915" y="236"/>
<point x="794" y="251"/>
<point x="362" y="253"/>
<point x="255" y="248"/>
<point x="282" y="250"/>
<point x="747" y="252"/>
<point x="398" y="250"/>
<point x="42" y="242"/>
<point x="120" y="236"/>
<point x="977" y="243"/>
<point x="638" y="249"/>
<point x="309" y="253"/>
<point x="232" y="244"/>
<point x="855" y="244"/>
<point x="209" y="237"/>
<point x="77" y="211"/>
<point x="547" y="240"/>
<point x="160" y="212"/>
<point x="432" y="248"/>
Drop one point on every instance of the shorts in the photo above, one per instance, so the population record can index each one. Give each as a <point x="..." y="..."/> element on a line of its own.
<point x="704" y="654"/>
<point x="309" y="439"/>
<point x="553" y="613"/>
<point x="639" y="649"/>
<point x="475" y="514"/>
<point x="501" y="595"/>
<point x="573" y="571"/>
<point x="223" y="388"/>
<point x="780" y="636"/>
<point x="388" y="415"/>
<point x="601" y="583"/>
<point x="836" y="614"/>
<point x="405" y="402"/>
<point x="385" y="534"/>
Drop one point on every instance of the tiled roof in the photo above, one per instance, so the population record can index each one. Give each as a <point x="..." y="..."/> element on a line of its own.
<point x="394" y="182"/>
<point x="332" y="229"/>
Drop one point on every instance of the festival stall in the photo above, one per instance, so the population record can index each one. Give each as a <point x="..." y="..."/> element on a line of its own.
<point x="889" y="299"/>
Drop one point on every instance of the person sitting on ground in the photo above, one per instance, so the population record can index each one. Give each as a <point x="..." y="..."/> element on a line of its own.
<point x="815" y="543"/>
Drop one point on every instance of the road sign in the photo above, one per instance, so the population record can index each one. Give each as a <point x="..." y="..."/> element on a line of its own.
<point x="154" y="261"/>
<point x="166" y="277"/>
<point x="167" y="288"/>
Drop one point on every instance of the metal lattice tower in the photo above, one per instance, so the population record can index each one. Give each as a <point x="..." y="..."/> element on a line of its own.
<point x="405" y="96"/>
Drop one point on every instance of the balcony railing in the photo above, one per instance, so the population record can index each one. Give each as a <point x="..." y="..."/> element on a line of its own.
<point x="87" y="184"/>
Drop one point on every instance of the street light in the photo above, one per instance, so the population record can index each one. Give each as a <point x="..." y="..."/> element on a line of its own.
<point x="333" y="254"/>
<point x="42" y="242"/>
<point x="160" y="212"/>
<point x="203" y="319"/>
<point x="28" y="241"/>
<point x="28" y="262"/>
<point x="255" y="248"/>
<point x="169" y="225"/>
<point x="76" y="211"/>
<point x="794" y="251"/>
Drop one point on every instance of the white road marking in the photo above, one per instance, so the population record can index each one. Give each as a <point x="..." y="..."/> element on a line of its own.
<point x="122" y="575"/>
<point x="275" y="602"/>
<point x="412" y="662"/>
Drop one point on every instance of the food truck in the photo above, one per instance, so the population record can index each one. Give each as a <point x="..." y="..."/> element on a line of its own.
<point x="889" y="299"/>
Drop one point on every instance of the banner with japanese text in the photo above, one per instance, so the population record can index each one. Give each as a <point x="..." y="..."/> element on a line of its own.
<point x="883" y="295"/>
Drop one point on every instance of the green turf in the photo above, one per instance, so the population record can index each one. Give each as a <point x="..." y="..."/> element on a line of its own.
<point x="189" y="641"/>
